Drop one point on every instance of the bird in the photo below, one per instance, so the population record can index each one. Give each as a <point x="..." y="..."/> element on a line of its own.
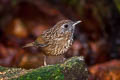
<point x="56" y="40"/>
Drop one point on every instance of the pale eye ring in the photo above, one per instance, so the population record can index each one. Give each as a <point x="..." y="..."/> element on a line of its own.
<point x="66" y="26"/>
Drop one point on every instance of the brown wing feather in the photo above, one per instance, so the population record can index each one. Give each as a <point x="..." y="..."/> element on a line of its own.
<point x="39" y="42"/>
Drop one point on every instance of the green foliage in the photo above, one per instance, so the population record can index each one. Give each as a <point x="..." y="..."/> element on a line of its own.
<point x="117" y="3"/>
<point x="71" y="2"/>
<point x="14" y="2"/>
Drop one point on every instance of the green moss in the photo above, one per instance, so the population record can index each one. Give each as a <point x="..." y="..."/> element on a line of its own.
<point x="44" y="73"/>
<point x="72" y="69"/>
<point x="2" y="69"/>
<point x="76" y="69"/>
<point x="72" y="62"/>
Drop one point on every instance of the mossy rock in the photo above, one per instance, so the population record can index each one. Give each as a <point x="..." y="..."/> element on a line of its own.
<point x="72" y="69"/>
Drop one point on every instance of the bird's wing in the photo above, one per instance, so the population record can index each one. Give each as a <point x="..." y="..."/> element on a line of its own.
<point x="40" y="42"/>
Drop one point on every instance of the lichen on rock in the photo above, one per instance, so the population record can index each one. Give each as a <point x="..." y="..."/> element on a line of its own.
<point x="72" y="69"/>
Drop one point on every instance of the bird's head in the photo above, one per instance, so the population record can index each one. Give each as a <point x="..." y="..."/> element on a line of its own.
<point x="66" y="26"/>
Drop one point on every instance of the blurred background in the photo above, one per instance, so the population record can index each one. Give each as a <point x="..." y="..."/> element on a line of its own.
<point x="97" y="38"/>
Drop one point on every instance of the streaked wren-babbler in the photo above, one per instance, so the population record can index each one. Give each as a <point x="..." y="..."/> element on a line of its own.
<point x="56" y="40"/>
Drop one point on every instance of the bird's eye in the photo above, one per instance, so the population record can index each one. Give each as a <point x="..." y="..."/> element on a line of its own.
<point x="66" y="26"/>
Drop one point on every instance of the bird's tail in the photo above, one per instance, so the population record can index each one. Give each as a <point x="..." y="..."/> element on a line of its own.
<point x="29" y="45"/>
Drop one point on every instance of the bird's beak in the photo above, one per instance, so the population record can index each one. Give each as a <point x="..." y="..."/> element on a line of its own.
<point x="77" y="22"/>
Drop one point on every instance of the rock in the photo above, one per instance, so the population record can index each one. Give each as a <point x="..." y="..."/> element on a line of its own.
<point x="72" y="69"/>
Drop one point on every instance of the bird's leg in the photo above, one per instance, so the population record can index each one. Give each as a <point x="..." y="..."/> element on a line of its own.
<point x="45" y="60"/>
<point x="64" y="59"/>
